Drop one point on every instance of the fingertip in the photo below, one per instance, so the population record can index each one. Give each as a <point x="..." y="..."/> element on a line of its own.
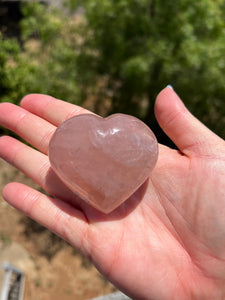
<point x="187" y="132"/>
<point x="29" y="100"/>
<point x="8" y="148"/>
<point x="7" y="191"/>
<point x="29" y="97"/>
<point x="11" y="115"/>
<point x="171" y="115"/>
<point x="167" y="102"/>
<point x="13" y="192"/>
<point x="3" y="141"/>
<point x="6" y="107"/>
<point x="26" y="99"/>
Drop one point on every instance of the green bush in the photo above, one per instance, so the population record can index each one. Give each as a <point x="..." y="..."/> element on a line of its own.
<point x="46" y="61"/>
<point x="143" y="45"/>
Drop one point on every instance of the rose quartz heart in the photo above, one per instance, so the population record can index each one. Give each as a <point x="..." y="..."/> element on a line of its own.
<point x="103" y="160"/>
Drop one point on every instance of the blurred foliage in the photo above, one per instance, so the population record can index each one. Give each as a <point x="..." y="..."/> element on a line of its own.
<point x="140" y="46"/>
<point x="44" y="63"/>
<point x="123" y="52"/>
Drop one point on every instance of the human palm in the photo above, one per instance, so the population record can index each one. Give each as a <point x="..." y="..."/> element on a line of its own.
<point x="167" y="241"/>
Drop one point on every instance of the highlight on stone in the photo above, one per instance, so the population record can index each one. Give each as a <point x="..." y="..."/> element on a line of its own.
<point x="103" y="160"/>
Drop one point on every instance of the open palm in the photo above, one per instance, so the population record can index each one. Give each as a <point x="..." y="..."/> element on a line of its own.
<point x="167" y="241"/>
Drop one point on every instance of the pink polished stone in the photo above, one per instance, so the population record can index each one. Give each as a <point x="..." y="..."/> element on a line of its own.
<point x="104" y="160"/>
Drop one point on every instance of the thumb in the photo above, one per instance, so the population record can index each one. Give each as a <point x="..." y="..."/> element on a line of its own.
<point x="188" y="133"/>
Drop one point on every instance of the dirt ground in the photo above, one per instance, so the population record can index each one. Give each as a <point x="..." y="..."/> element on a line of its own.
<point x="53" y="269"/>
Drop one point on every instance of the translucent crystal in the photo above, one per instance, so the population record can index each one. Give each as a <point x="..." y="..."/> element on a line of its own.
<point x="104" y="160"/>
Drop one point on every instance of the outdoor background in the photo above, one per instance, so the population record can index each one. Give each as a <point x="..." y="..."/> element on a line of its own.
<point x="107" y="56"/>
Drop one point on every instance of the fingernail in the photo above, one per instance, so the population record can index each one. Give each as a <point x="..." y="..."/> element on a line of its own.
<point x="170" y="86"/>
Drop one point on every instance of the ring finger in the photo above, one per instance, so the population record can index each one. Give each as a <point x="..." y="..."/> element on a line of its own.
<point x="35" y="165"/>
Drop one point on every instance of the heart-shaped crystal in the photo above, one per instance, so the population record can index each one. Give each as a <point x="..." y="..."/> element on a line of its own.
<point x="104" y="160"/>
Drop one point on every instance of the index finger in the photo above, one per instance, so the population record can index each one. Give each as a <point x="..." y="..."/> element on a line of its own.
<point x="51" y="109"/>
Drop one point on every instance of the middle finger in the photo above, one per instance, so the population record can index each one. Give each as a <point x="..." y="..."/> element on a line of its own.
<point x="51" y="109"/>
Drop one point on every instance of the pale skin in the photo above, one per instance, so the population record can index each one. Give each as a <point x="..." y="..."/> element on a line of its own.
<point x="167" y="241"/>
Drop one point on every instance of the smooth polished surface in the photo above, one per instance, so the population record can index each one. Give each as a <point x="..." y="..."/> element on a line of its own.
<point x="104" y="160"/>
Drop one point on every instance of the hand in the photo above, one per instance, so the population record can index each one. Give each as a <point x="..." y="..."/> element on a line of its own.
<point x="167" y="241"/>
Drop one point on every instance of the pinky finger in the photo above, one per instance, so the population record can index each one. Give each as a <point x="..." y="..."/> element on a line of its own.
<point x="58" y="216"/>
